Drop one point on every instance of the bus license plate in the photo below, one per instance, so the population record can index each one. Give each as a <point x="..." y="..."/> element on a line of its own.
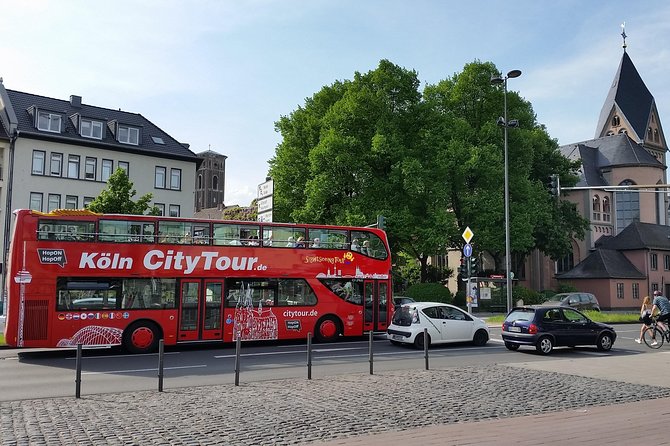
<point x="515" y="329"/>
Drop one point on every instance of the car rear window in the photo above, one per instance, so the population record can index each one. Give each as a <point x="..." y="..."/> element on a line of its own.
<point x="404" y="316"/>
<point x="522" y="314"/>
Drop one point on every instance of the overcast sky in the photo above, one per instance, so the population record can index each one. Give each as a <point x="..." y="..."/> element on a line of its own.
<point x="218" y="74"/>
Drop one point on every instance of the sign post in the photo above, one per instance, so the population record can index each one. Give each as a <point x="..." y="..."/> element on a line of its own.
<point x="264" y="200"/>
<point x="470" y="291"/>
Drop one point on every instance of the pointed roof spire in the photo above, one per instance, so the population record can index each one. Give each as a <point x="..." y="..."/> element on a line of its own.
<point x="623" y="34"/>
<point x="630" y="95"/>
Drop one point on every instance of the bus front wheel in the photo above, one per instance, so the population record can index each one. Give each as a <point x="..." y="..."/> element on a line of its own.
<point x="327" y="329"/>
<point x="141" y="337"/>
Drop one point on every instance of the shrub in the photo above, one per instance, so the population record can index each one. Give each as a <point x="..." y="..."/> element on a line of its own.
<point x="459" y="299"/>
<point x="529" y="297"/>
<point x="430" y="292"/>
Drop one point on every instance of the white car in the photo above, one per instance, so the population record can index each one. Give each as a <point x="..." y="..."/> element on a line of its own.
<point x="445" y="323"/>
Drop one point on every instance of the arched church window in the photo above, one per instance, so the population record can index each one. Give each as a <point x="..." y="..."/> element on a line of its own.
<point x="610" y="133"/>
<point x="215" y="182"/>
<point x="607" y="209"/>
<point x="596" y="207"/>
<point x="623" y="131"/>
<point x="650" y="134"/>
<point x="656" y="138"/>
<point x="616" y="122"/>
<point x="199" y="181"/>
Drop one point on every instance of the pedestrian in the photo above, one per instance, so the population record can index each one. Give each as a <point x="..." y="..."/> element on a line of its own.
<point x="662" y="305"/>
<point x="645" y="316"/>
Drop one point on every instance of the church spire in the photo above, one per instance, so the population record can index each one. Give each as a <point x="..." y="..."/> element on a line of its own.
<point x="623" y="34"/>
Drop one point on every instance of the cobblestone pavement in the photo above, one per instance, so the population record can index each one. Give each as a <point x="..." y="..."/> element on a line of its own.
<point x="294" y="412"/>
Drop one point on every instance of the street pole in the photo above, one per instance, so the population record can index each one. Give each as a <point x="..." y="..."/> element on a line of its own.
<point x="505" y="123"/>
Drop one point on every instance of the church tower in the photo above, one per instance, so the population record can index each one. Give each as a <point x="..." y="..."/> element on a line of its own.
<point x="630" y="108"/>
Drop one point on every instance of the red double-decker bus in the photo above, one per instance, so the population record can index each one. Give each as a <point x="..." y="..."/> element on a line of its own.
<point x="76" y="277"/>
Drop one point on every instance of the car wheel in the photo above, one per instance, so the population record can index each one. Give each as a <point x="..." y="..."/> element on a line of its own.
<point x="511" y="346"/>
<point x="544" y="345"/>
<point x="480" y="338"/>
<point x="419" y="342"/>
<point x="605" y="342"/>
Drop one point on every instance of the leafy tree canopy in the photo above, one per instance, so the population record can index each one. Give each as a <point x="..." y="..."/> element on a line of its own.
<point x="116" y="198"/>
<point x="431" y="162"/>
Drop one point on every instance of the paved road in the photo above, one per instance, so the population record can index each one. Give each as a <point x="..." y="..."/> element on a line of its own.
<point x="543" y="402"/>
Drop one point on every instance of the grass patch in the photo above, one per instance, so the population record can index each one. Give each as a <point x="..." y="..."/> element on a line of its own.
<point x="598" y="316"/>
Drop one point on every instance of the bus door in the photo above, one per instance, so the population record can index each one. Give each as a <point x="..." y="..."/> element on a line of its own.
<point x="200" y="314"/>
<point x="376" y="305"/>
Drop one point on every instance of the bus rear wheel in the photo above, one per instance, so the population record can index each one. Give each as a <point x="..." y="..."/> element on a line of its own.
<point x="327" y="329"/>
<point x="141" y="337"/>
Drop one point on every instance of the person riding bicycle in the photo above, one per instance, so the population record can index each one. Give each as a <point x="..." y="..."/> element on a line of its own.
<point x="662" y="304"/>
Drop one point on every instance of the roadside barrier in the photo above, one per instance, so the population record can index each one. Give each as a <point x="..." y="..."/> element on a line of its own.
<point x="238" y="363"/>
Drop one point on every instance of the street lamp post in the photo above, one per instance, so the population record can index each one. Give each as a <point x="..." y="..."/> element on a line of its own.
<point x="502" y="121"/>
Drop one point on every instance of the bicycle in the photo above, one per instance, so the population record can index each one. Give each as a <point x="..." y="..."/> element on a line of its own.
<point x="655" y="335"/>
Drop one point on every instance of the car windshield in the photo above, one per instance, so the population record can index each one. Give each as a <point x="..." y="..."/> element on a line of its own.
<point x="404" y="316"/>
<point x="520" y="314"/>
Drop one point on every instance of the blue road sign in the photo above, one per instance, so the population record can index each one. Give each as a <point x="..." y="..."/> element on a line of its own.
<point x="467" y="250"/>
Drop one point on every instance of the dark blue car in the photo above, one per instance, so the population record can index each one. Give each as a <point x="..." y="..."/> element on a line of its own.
<point x="546" y="327"/>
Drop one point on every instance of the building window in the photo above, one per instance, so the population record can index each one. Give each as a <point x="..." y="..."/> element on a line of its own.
<point x="650" y="134"/>
<point x="36" y="201"/>
<point x="90" y="168"/>
<point x="54" y="202"/>
<point x="48" y="122"/>
<point x="596" y="207"/>
<point x="125" y="166"/>
<point x="87" y="201"/>
<point x="90" y="129"/>
<point x="666" y="262"/>
<point x="56" y="167"/>
<point x="619" y="290"/>
<point x="627" y="206"/>
<point x="175" y="179"/>
<point x="654" y="287"/>
<point x="656" y="138"/>
<point x="653" y="261"/>
<point x="174" y="210"/>
<point x="107" y="170"/>
<point x="623" y="131"/>
<point x="636" y="290"/>
<point x="159" y="177"/>
<point x="616" y="121"/>
<point x="215" y="182"/>
<point x="38" y="162"/>
<point x="73" y="166"/>
<point x="565" y="264"/>
<point x="607" y="209"/>
<point x="161" y="208"/>
<point x="71" y="202"/>
<point x="129" y="135"/>
<point x="199" y="181"/>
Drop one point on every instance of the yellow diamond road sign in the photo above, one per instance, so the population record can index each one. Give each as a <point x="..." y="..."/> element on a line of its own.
<point x="467" y="234"/>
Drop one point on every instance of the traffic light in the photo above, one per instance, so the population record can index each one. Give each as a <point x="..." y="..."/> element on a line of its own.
<point x="473" y="266"/>
<point x="381" y="222"/>
<point x="463" y="269"/>
<point x="555" y="186"/>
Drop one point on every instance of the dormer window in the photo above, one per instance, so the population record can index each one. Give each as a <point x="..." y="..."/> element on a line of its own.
<point x="128" y="135"/>
<point x="49" y="122"/>
<point x="90" y="129"/>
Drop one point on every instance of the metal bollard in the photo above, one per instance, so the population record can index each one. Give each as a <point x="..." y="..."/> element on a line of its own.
<point x="370" y="354"/>
<point x="309" y="355"/>
<point x="425" y="345"/>
<point x="238" y="347"/>
<point x="161" y="347"/>
<point x="77" y="380"/>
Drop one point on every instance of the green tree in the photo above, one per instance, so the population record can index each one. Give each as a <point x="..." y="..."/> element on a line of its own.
<point x="470" y="146"/>
<point x="356" y="150"/>
<point x="116" y="198"/>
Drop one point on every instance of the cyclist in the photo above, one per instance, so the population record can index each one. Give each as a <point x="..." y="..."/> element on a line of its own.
<point x="662" y="304"/>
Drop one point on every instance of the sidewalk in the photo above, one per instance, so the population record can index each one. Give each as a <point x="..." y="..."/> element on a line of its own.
<point x="621" y="424"/>
<point x="618" y="424"/>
